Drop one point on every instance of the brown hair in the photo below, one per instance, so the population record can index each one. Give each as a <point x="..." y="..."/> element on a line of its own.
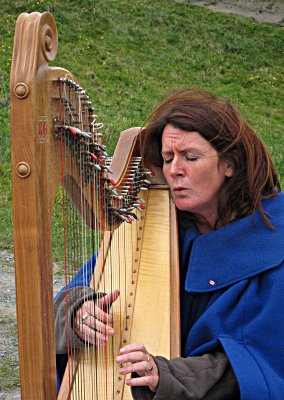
<point x="220" y="123"/>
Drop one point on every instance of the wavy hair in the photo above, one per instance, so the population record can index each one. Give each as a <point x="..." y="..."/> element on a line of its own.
<point x="219" y="122"/>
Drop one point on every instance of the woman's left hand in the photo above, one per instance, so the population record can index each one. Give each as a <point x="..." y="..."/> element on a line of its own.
<point x="140" y="362"/>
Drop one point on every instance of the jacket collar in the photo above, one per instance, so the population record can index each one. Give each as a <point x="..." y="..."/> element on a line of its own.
<point x="238" y="251"/>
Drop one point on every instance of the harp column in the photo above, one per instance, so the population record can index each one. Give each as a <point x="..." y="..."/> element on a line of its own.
<point x="35" y="45"/>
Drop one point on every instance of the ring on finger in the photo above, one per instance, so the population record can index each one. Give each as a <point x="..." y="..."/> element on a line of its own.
<point x="147" y="357"/>
<point x="84" y="318"/>
<point x="150" y="369"/>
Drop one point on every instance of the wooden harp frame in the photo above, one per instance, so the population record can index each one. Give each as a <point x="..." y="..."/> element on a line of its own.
<point x="36" y="174"/>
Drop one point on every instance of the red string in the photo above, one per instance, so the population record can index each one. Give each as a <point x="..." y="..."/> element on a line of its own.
<point x="104" y="138"/>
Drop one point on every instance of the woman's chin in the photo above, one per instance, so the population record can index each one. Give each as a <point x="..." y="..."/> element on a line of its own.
<point x="183" y="205"/>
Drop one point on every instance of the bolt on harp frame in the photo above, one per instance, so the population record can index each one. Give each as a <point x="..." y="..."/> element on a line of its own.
<point x="56" y="140"/>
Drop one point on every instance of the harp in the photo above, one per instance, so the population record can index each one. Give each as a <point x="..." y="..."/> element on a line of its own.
<point x="56" y="140"/>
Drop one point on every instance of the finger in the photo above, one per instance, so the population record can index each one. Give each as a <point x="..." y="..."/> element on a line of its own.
<point x="108" y="299"/>
<point x="89" y="307"/>
<point x="103" y="316"/>
<point x="133" y="357"/>
<point x="91" y="336"/>
<point x="133" y="347"/>
<point x="94" y="324"/>
<point x="147" y="380"/>
<point x="99" y="326"/>
<point x="139" y="368"/>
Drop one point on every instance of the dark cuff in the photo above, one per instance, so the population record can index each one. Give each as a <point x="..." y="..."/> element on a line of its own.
<point x="208" y="377"/>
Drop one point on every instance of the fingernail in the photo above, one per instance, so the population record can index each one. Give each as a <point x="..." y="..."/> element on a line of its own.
<point x="122" y="370"/>
<point x="118" y="359"/>
<point x="111" y="331"/>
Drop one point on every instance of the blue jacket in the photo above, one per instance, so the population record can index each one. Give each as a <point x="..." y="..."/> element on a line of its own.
<point x="238" y="271"/>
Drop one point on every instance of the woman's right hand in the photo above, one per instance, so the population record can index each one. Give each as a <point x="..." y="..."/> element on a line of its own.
<point x="92" y="320"/>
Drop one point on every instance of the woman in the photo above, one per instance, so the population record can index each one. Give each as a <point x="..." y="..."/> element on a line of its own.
<point x="223" y="182"/>
<point x="225" y="187"/>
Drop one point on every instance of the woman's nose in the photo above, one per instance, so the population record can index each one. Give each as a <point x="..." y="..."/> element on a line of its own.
<point x="176" y="168"/>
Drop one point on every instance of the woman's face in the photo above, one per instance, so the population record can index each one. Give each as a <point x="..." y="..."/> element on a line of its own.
<point x="193" y="171"/>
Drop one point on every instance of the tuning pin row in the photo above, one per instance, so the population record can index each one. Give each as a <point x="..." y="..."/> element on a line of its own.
<point x="149" y="172"/>
<point x="99" y="147"/>
<point x="73" y="84"/>
<point x="108" y="169"/>
<point x="83" y="95"/>
<point x="120" y="214"/>
<point x="93" y="165"/>
<point x="78" y="132"/>
<point x="114" y="192"/>
<point x="92" y="155"/>
<point x="138" y="206"/>
<point x="94" y="158"/>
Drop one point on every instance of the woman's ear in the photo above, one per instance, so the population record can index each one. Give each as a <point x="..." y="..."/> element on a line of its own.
<point x="229" y="172"/>
<point x="227" y="168"/>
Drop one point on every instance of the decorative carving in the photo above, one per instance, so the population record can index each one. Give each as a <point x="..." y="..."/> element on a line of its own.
<point x="49" y="41"/>
<point x="35" y="45"/>
<point x="21" y="90"/>
<point x="23" y="169"/>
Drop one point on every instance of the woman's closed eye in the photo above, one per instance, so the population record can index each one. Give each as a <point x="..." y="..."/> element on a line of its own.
<point x="168" y="160"/>
<point x="191" y="158"/>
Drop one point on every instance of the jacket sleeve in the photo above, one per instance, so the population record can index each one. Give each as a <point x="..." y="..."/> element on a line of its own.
<point x="207" y="377"/>
<point x="64" y="332"/>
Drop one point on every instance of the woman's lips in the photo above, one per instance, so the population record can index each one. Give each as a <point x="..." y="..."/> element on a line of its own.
<point x="180" y="190"/>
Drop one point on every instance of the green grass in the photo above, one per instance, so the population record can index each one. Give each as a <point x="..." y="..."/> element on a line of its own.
<point x="9" y="369"/>
<point x="9" y="372"/>
<point x="128" y="53"/>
